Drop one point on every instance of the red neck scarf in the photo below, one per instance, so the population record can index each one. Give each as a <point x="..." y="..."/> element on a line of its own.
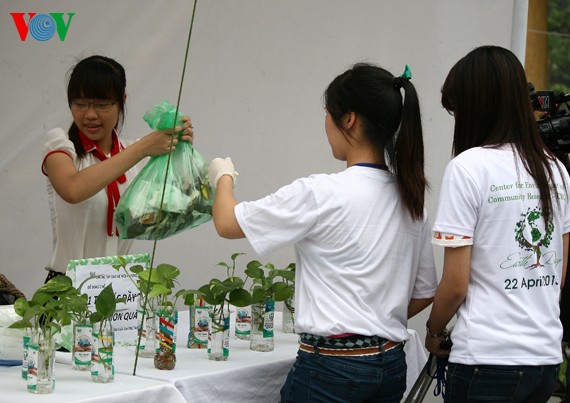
<point x="113" y="194"/>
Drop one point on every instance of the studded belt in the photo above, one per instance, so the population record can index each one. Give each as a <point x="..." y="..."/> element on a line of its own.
<point x="349" y="352"/>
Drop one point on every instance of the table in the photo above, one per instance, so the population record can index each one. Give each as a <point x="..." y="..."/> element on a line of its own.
<point x="75" y="386"/>
<point x="246" y="376"/>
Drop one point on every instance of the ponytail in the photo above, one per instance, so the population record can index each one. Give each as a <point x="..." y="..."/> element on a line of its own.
<point x="408" y="154"/>
<point x="391" y="125"/>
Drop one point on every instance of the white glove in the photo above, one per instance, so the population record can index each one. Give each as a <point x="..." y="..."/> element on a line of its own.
<point x="219" y="167"/>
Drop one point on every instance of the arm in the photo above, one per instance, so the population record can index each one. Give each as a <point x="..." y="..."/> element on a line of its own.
<point x="75" y="186"/>
<point x="565" y="240"/>
<point x="417" y="305"/>
<point x="223" y="213"/>
<point x="449" y="295"/>
<point x="222" y="175"/>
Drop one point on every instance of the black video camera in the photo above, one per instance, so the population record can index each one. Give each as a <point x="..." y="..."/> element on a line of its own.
<point x="554" y="125"/>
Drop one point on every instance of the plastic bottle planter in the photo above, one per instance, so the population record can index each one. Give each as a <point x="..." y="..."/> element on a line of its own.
<point x="148" y="342"/>
<point x="25" y="341"/>
<point x="165" y="354"/>
<point x="243" y="322"/>
<point x="82" y="345"/>
<point x="102" y="361"/>
<point x="288" y="323"/>
<point x="199" y="325"/>
<point x="262" y="315"/>
<point x="41" y="358"/>
<point x="219" y="334"/>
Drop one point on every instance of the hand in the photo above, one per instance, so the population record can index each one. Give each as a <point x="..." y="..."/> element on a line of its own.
<point x="186" y="131"/>
<point x="157" y="143"/>
<point x="434" y="346"/>
<point x="219" y="167"/>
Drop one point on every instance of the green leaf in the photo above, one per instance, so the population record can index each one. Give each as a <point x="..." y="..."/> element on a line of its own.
<point x="254" y="272"/>
<point x="159" y="289"/>
<point x="224" y="265"/>
<point x="168" y="271"/>
<point x="105" y="303"/>
<point x="287" y="275"/>
<point x="96" y="317"/>
<point x="21" y="324"/>
<point x="235" y="255"/>
<point x="283" y="294"/>
<point x="240" y="297"/>
<point x="189" y="299"/>
<point x="21" y="305"/>
<point x="258" y="295"/>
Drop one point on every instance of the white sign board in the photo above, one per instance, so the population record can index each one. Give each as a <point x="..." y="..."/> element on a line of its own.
<point x="95" y="274"/>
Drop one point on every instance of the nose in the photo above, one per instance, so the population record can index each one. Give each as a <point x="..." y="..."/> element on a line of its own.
<point x="90" y="110"/>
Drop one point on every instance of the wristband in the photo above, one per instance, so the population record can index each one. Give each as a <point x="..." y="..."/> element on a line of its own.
<point x="434" y="335"/>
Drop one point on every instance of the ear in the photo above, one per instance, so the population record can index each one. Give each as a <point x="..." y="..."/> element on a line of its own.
<point x="349" y="120"/>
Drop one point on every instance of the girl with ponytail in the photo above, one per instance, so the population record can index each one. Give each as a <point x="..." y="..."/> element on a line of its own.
<point x="362" y="239"/>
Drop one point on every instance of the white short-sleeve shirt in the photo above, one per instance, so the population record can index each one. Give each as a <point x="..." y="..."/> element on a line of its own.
<point x="80" y="230"/>
<point x="511" y="312"/>
<point x="360" y="257"/>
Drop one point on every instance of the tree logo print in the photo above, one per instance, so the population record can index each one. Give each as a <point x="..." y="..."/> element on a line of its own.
<point x="538" y="239"/>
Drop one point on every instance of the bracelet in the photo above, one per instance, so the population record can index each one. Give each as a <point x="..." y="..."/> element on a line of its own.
<point x="434" y="335"/>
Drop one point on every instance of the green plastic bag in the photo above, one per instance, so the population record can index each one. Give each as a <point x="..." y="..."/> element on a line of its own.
<point x="188" y="196"/>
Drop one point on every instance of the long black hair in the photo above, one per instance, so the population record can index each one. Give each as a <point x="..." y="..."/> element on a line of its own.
<point x="96" y="77"/>
<point x="487" y="92"/>
<point x="392" y="123"/>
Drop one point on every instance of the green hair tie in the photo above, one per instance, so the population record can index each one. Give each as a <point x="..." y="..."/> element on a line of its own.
<point x="407" y="73"/>
<point x="406" y="76"/>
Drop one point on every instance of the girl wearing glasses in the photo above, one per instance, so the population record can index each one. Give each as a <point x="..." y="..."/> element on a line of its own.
<point x="89" y="167"/>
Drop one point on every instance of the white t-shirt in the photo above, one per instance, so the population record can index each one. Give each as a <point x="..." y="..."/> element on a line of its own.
<point x="80" y="230"/>
<point x="360" y="257"/>
<point x="511" y="312"/>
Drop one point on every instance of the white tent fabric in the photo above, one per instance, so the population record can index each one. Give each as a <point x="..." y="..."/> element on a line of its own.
<point x="253" y="86"/>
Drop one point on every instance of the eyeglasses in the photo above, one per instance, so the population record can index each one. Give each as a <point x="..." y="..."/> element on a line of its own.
<point x="103" y="106"/>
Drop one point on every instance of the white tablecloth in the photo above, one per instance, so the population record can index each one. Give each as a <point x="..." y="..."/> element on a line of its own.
<point x="75" y="386"/>
<point x="246" y="376"/>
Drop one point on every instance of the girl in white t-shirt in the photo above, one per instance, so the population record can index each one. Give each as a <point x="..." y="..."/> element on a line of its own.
<point x="364" y="259"/>
<point x="88" y="167"/>
<point x="503" y="219"/>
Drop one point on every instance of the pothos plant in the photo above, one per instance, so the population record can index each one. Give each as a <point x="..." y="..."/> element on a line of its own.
<point x="54" y="305"/>
<point x="288" y="275"/>
<point x="105" y="306"/>
<point x="158" y="283"/>
<point x="265" y="285"/>
<point x="221" y="293"/>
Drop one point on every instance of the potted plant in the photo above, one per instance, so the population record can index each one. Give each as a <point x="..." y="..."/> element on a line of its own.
<point x="102" y="364"/>
<point x="54" y="305"/>
<point x="264" y="292"/>
<point x="220" y="294"/>
<point x="157" y="291"/>
<point x="288" y="275"/>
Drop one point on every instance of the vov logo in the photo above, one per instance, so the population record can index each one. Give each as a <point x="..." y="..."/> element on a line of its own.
<point x="42" y="27"/>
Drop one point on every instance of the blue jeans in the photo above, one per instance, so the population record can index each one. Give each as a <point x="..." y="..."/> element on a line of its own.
<point x="319" y="378"/>
<point x="499" y="383"/>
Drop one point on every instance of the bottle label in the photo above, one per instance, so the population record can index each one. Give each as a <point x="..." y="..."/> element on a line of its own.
<point x="268" y="316"/>
<point x="26" y="340"/>
<point x="83" y="345"/>
<point x="32" y="366"/>
<point x="243" y="320"/>
<point x="199" y="324"/>
<point x="226" y="338"/>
